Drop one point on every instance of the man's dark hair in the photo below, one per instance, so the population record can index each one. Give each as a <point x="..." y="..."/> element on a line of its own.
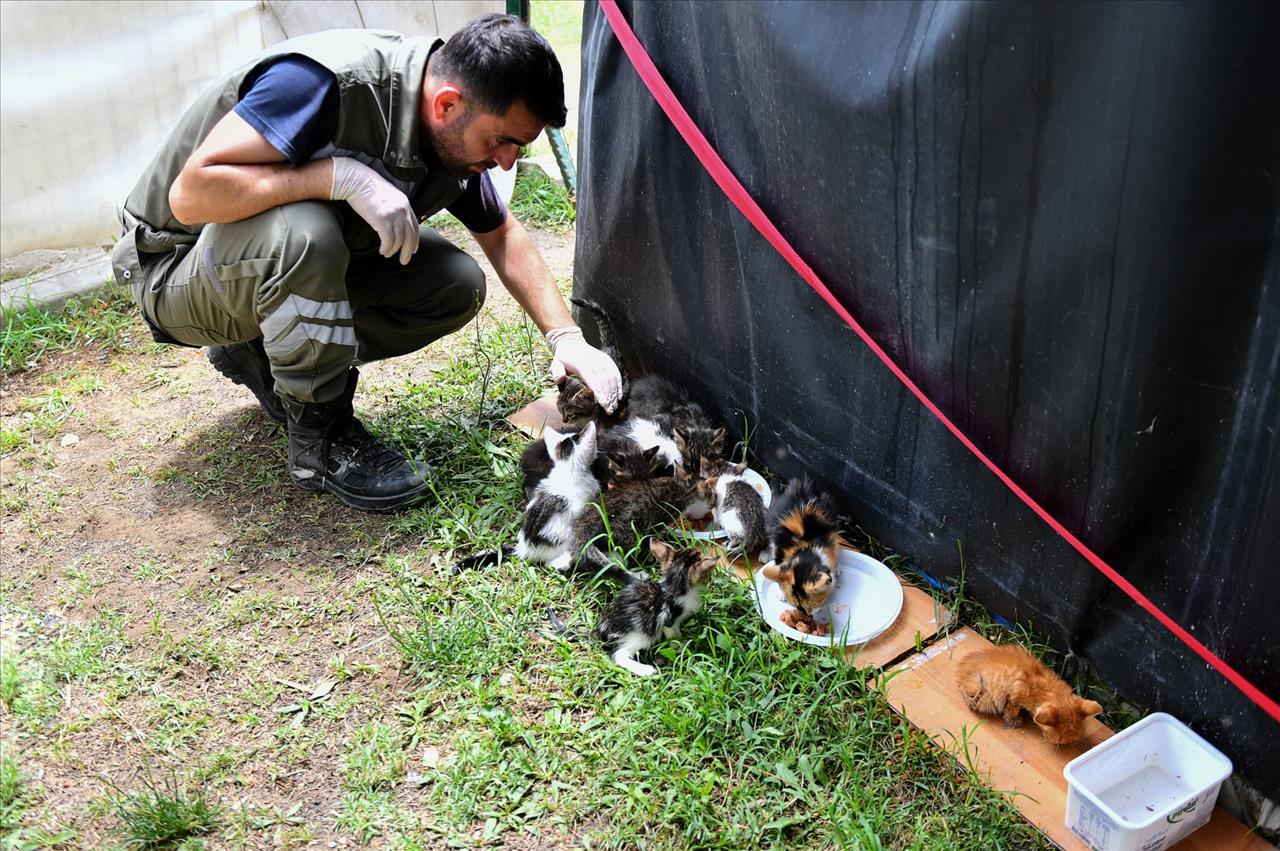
<point x="498" y="60"/>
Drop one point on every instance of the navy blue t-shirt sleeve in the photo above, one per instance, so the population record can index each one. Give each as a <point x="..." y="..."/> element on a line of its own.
<point x="478" y="207"/>
<point x="293" y="102"/>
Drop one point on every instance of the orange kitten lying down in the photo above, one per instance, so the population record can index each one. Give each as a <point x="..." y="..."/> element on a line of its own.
<point x="1006" y="680"/>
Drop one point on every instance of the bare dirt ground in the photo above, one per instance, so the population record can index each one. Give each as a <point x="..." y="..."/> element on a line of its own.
<point x="218" y="618"/>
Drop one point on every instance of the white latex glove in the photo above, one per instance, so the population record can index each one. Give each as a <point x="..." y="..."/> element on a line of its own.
<point x="383" y="206"/>
<point x="573" y="354"/>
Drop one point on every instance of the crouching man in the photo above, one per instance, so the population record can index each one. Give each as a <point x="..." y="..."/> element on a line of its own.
<point x="280" y="226"/>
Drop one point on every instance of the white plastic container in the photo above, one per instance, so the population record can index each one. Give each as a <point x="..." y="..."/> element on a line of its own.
<point x="1144" y="788"/>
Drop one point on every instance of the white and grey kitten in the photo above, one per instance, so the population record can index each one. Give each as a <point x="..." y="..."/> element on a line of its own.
<point x="645" y="610"/>
<point x="739" y="510"/>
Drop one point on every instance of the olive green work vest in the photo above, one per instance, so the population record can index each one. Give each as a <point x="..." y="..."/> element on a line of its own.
<point x="379" y="77"/>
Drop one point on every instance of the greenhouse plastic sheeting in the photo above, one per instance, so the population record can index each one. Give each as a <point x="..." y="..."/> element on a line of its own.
<point x="88" y="91"/>
<point x="1061" y="220"/>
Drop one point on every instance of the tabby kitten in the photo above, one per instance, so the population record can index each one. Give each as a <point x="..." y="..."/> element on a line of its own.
<point x="645" y="611"/>
<point x="803" y="545"/>
<point x="634" y="509"/>
<point x="1007" y="679"/>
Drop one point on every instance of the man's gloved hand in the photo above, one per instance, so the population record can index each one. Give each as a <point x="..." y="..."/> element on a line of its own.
<point x="572" y="354"/>
<point x="383" y="206"/>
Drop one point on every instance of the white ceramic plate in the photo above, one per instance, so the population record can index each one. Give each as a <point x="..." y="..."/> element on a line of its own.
<point x="751" y="477"/>
<point x="866" y="602"/>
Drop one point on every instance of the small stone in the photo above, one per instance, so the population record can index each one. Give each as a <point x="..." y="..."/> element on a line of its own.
<point x="507" y="678"/>
<point x="235" y="587"/>
<point x="416" y="778"/>
<point x="431" y="756"/>
<point x="70" y="440"/>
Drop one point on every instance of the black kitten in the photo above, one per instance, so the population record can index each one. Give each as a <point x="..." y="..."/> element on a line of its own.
<point x="645" y="611"/>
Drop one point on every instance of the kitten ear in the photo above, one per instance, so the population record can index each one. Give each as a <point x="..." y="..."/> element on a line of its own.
<point x="661" y="551"/>
<point x="1046" y="716"/>
<point x="551" y="437"/>
<point x="651" y="453"/>
<point x="774" y="572"/>
<point x="708" y="469"/>
<point x="677" y="437"/>
<point x="703" y="569"/>
<point x="588" y="434"/>
<point x="739" y="469"/>
<point x="1089" y="708"/>
<point x="679" y="473"/>
<point x="717" y="440"/>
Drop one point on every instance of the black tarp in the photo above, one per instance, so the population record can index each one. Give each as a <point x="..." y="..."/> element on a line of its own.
<point x="1060" y="219"/>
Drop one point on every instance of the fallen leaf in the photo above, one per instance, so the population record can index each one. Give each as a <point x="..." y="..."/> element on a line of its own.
<point x="323" y="688"/>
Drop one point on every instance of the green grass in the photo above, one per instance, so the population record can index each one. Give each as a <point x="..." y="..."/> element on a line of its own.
<point x="106" y="320"/>
<point x="163" y="816"/>
<point x="744" y="739"/>
<point x="540" y="202"/>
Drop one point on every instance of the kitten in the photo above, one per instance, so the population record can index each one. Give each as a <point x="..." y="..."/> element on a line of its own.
<point x="1007" y="679"/>
<point x="645" y="611"/>
<point x="617" y="460"/>
<point x="536" y="462"/>
<point x="575" y="401"/>
<point x="803" y="545"/>
<point x="557" y="499"/>
<point x="633" y="510"/>
<point x="699" y="444"/>
<point x="666" y="403"/>
<point x="661" y="413"/>
<point x="739" y="509"/>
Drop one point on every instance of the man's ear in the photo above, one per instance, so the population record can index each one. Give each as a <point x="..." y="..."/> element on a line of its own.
<point x="446" y="103"/>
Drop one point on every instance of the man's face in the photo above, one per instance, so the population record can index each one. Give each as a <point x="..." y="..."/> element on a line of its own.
<point x="469" y="141"/>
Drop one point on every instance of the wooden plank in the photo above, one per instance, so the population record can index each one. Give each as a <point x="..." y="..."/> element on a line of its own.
<point x="918" y="622"/>
<point x="1018" y="762"/>
<point x="536" y="415"/>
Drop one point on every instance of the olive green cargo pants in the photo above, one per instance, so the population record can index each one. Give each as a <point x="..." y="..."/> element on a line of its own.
<point x="308" y="279"/>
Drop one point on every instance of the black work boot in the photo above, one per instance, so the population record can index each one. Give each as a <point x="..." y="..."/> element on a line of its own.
<point x="329" y="450"/>
<point x="246" y="364"/>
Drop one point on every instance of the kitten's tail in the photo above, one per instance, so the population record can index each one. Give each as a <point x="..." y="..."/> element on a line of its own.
<point x="608" y="343"/>
<point x="486" y="559"/>
<point x="594" y="564"/>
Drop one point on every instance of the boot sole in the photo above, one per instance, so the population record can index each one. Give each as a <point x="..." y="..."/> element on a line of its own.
<point x="231" y="371"/>
<point x="360" y="501"/>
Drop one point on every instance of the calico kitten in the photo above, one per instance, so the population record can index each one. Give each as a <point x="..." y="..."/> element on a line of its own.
<point x="633" y="510"/>
<point x="645" y="611"/>
<point x="557" y="499"/>
<point x="575" y="401"/>
<point x="739" y="509"/>
<point x="803" y="545"/>
<point x="1007" y="679"/>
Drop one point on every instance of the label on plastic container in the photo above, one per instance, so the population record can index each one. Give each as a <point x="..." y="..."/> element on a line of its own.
<point x="1092" y="825"/>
